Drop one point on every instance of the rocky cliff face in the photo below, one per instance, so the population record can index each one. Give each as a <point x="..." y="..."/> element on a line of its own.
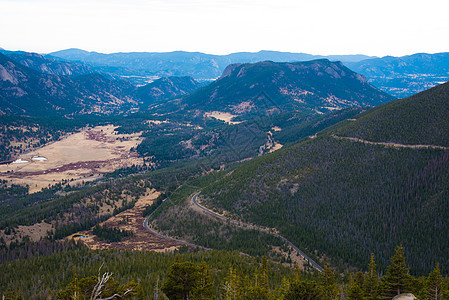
<point x="48" y="65"/>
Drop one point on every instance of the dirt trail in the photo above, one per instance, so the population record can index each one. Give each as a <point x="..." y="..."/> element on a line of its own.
<point x="394" y="145"/>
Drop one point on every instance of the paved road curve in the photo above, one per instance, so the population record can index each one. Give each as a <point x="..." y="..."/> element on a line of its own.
<point x="145" y="225"/>
<point x="242" y="224"/>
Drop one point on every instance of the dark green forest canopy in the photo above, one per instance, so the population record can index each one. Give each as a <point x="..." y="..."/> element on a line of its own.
<point x="41" y="276"/>
<point x="206" y="275"/>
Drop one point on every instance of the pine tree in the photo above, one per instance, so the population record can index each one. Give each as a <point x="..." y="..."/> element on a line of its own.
<point x="283" y="289"/>
<point x="371" y="281"/>
<point x="397" y="280"/>
<point x="434" y="288"/>
<point x="329" y="289"/>
<point x="297" y="273"/>
<point x="303" y="290"/>
<point x="354" y="289"/>
<point x="204" y="289"/>
<point x="231" y="289"/>
<point x="264" y="285"/>
<point x="182" y="278"/>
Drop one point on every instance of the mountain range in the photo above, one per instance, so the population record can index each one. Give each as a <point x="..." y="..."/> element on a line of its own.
<point x="318" y="85"/>
<point x="407" y="75"/>
<point x="25" y="91"/>
<point x="180" y="63"/>
<point x="398" y="76"/>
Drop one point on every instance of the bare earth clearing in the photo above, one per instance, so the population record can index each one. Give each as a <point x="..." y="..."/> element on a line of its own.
<point x="34" y="232"/>
<point x="130" y="220"/>
<point x="80" y="156"/>
<point x="223" y="116"/>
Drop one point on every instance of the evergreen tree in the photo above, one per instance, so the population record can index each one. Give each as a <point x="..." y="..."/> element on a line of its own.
<point x="264" y="285"/>
<point x="231" y="286"/>
<point x="204" y="289"/>
<point x="371" y="281"/>
<point x="303" y="290"/>
<point x="434" y="285"/>
<point x="297" y="273"/>
<point x="397" y="280"/>
<point x="329" y="289"/>
<point x="283" y="289"/>
<point x="354" y="290"/>
<point x="181" y="280"/>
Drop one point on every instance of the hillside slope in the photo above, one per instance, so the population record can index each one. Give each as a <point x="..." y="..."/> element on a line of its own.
<point x="348" y="199"/>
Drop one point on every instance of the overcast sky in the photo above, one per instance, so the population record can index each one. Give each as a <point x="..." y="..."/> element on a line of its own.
<point x="380" y="27"/>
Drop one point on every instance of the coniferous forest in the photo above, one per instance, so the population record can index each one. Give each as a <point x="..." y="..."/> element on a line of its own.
<point x="79" y="272"/>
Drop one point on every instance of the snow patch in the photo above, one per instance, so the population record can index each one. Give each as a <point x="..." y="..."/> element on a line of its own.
<point x="20" y="161"/>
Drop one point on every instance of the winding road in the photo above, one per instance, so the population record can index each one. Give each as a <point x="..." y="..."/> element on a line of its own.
<point x="245" y="225"/>
<point x="145" y="225"/>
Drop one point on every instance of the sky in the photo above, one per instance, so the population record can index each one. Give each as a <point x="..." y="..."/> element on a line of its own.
<point x="325" y="27"/>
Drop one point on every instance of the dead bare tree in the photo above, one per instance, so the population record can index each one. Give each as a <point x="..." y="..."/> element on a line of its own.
<point x="102" y="280"/>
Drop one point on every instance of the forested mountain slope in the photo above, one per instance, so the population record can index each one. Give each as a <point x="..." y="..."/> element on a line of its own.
<point x="347" y="199"/>
<point x="419" y="119"/>
<point x="273" y="87"/>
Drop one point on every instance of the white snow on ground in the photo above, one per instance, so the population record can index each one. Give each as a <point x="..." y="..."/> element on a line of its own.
<point x="19" y="161"/>
<point x="39" y="158"/>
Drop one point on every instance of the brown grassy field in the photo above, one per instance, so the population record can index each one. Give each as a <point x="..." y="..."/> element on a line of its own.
<point x="81" y="156"/>
<point x="130" y="220"/>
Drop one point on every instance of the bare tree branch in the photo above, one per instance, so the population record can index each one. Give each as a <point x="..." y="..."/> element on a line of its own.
<point x="102" y="280"/>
